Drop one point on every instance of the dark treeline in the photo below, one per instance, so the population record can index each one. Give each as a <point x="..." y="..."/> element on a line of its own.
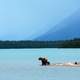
<point x="75" y="43"/>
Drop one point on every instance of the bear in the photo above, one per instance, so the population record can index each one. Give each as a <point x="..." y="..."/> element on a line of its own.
<point x="44" y="61"/>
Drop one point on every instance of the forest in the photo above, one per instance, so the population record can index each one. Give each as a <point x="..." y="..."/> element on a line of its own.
<point x="74" y="43"/>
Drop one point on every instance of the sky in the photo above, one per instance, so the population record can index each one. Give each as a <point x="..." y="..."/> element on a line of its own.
<point x="28" y="19"/>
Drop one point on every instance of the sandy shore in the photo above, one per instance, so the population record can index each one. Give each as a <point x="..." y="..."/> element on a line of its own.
<point x="69" y="64"/>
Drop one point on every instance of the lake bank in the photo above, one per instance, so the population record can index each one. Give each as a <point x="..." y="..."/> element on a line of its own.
<point x="24" y="44"/>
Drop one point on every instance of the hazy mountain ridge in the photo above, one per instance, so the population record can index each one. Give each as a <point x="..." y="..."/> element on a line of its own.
<point x="68" y="29"/>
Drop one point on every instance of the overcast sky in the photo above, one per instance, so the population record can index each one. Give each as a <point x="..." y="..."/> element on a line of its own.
<point x="27" y="19"/>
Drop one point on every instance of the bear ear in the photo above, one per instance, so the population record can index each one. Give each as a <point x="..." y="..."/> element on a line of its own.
<point x="45" y="57"/>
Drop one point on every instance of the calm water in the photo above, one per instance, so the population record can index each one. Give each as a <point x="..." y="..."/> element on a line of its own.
<point x="22" y="64"/>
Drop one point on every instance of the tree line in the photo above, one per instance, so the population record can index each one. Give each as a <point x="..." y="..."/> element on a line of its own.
<point x="74" y="43"/>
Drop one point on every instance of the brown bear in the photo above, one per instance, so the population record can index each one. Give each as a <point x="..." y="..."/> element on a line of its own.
<point x="44" y="61"/>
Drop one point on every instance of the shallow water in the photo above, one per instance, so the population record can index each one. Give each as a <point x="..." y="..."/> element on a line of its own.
<point x="22" y="64"/>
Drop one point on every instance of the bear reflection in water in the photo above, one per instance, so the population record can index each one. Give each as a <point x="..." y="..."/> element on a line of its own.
<point x="44" y="61"/>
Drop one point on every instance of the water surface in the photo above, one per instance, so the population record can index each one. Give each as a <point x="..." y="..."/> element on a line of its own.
<point x="22" y="64"/>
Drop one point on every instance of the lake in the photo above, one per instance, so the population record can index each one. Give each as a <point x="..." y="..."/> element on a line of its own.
<point x="23" y="64"/>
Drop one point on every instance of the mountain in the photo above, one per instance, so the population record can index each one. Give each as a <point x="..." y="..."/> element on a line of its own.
<point x="69" y="28"/>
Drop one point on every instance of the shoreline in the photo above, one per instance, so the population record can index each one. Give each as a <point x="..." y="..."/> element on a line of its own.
<point x="65" y="65"/>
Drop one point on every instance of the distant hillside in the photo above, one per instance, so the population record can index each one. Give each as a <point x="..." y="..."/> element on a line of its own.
<point x="67" y="29"/>
<point x="75" y="43"/>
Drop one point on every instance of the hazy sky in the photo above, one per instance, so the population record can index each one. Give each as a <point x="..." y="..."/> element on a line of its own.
<point x="27" y="19"/>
